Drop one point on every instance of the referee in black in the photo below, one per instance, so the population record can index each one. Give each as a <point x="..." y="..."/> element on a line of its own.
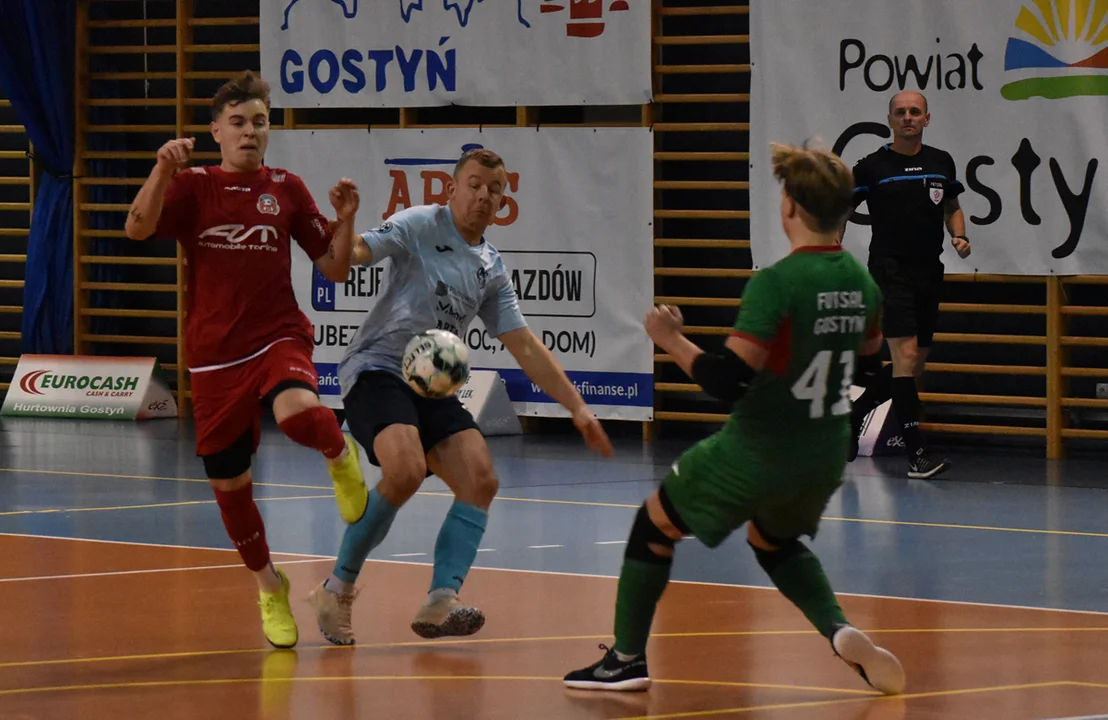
<point x="912" y="191"/>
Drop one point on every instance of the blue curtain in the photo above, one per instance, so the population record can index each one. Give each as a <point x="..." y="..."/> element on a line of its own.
<point x="37" y="38"/>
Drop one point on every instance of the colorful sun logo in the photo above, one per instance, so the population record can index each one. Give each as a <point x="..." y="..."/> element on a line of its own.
<point x="1061" y="50"/>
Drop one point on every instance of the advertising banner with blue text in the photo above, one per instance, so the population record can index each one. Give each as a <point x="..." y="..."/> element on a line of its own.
<point x="1017" y="91"/>
<point x="575" y="235"/>
<point x="417" y="53"/>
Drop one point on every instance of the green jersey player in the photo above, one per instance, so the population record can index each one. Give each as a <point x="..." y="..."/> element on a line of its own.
<point x="808" y="328"/>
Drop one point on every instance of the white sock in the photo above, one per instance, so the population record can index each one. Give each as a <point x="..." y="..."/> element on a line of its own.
<point x="622" y="657"/>
<point x="440" y="594"/>
<point x="268" y="579"/>
<point x="337" y="587"/>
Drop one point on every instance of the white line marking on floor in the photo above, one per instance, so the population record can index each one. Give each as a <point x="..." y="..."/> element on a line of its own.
<point x="543" y="547"/>
<point x="409" y="555"/>
<point x="140" y="572"/>
<point x="1083" y="717"/>
<point x="486" y="550"/>
<point x="966" y="603"/>
<point x="613" y="542"/>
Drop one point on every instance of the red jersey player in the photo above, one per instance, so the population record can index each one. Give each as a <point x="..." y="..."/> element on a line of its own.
<point x="246" y="340"/>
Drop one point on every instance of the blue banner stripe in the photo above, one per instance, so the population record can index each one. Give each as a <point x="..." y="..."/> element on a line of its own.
<point x="328" y="378"/>
<point x="597" y="388"/>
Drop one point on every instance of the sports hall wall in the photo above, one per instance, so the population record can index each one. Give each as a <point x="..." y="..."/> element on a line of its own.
<point x="16" y="193"/>
<point x="1016" y="359"/>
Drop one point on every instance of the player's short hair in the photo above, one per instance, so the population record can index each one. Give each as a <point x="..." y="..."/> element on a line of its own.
<point x="819" y="181"/>
<point x="241" y="88"/>
<point x="892" y="99"/>
<point x="485" y="157"/>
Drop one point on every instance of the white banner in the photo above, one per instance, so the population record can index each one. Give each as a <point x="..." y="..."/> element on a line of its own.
<point x="109" y="388"/>
<point x="1016" y="91"/>
<point x="413" y="53"/>
<point x="575" y="235"/>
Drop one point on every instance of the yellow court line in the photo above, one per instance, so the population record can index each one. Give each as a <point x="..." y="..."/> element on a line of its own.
<point x="954" y="526"/>
<point x="150" y="477"/>
<point x="377" y="678"/>
<point x="536" y="639"/>
<point x="1100" y="686"/>
<point x="842" y="701"/>
<point x="149" y="506"/>
<point x="868" y="521"/>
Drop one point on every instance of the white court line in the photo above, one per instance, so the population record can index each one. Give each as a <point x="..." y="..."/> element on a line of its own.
<point x="543" y="547"/>
<point x="968" y="603"/>
<point x="1083" y="717"/>
<point x="140" y="572"/>
<point x="613" y="542"/>
<point x="486" y="550"/>
<point x="409" y="555"/>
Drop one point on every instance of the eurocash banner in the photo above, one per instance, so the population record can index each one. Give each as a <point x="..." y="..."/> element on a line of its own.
<point x="575" y="235"/>
<point x="106" y="388"/>
<point x="412" y="53"/>
<point x="1017" y="92"/>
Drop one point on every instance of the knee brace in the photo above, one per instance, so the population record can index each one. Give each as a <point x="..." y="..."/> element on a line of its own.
<point x="231" y="461"/>
<point x="770" y="560"/>
<point x="644" y="533"/>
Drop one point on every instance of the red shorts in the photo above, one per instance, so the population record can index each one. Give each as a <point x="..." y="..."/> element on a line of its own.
<point x="228" y="402"/>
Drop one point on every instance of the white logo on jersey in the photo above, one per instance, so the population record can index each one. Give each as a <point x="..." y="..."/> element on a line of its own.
<point x="237" y="188"/>
<point x="277" y="177"/>
<point x="237" y="235"/>
<point x="936" y="195"/>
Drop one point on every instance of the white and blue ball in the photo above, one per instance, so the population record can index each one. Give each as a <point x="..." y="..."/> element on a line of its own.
<point x="436" y="363"/>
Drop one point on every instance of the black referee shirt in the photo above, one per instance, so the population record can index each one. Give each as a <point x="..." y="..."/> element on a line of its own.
<point x="905" y="195"/>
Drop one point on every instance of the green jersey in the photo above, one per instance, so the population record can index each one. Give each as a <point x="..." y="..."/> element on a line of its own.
<point x="780" y="455"/>
<point x="812" y="311"/>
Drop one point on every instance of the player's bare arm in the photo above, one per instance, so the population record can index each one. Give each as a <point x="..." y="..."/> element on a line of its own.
<point x="360" y="254"/>
<point x="543" y="369"/>
<point x="955" y="221"/>
<point x="335" y="263"/>
<point x="725" y="375"/>
<point x="142" y="218"/>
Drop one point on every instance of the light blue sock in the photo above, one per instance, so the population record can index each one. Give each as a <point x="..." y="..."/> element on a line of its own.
<point x="456" y="547"/>
<point x="361" y="537"/>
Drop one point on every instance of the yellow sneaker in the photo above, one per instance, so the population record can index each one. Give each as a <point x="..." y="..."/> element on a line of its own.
<point x="351" y="494"/>
<point x="278" y="624"/>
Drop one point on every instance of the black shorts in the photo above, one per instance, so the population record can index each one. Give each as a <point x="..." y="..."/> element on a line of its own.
<point x="379" y="399"/>
<point x="910" y="293"/>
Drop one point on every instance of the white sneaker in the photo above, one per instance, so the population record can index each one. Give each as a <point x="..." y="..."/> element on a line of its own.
<point x="447" y="616"/>
<point x="877" y="666"/>
<point x="332" y="612"/>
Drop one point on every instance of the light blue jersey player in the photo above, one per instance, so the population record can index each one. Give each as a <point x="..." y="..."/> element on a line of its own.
<point x="443" y="275"/>
<point x="437" y="280"/>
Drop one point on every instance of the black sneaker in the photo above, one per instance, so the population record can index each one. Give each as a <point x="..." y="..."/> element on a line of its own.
<point x="611" y="673"/>
<point x="920" y="466"/>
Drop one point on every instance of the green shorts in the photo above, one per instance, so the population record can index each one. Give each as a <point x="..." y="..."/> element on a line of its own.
<point x="725" y="481"/>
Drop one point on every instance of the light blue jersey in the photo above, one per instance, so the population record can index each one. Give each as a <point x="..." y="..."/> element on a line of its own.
<point x="437" y="280"/>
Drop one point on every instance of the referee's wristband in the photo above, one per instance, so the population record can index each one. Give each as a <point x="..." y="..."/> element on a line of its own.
<point x="962" y="237"/>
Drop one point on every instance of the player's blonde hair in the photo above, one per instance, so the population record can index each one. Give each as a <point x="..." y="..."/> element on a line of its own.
<point x="819" y="181"/>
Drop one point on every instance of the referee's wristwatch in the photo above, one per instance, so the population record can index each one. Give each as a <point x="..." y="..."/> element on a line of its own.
<point x="962" y="237"/>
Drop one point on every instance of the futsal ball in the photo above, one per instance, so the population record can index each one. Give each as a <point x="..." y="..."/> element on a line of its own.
<point x="436" y="363"/>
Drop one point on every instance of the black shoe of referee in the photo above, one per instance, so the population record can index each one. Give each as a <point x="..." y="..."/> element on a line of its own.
<point x="921" y="467"/>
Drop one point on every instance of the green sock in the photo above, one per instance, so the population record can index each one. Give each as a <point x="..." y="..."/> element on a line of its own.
<point x="640" y="588"/>
<point x="800" y="578"/>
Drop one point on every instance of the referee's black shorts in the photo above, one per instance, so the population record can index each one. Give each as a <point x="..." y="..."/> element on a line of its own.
<point x="911" y="297"/>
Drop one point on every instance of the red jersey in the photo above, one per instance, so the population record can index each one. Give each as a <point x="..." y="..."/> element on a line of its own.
<point x="235" y="229"/>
